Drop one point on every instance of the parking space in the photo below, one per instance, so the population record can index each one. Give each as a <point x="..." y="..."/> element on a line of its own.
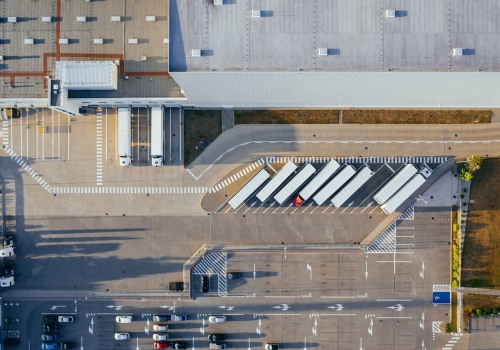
<point x="361" y="202"/>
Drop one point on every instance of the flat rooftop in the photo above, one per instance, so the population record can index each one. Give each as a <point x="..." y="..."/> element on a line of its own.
<point x="356" y="34"/>
<point x="79" y="30"/>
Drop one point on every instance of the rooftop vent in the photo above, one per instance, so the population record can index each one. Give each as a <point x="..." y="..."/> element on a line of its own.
<point x="116" y="19"/>
<point x="165" y="40"/>
<point x="196" y="52"/>
<point x="256" y="13"/>
<point x="11" y="19"/>
<point x="47" y="19"/>
<point x="323" y="51"/>
<point x="99" y="41"/>
<point x="150" y="18"/>
<point x="63" y="41"/>
<point x="133" y="41"/>
<point x="457" y="51"/>
<point x="29" y="42"/>
<point x="218" y="2"/>
<point x="390" y="13"/>
<point x="81" y="19"/>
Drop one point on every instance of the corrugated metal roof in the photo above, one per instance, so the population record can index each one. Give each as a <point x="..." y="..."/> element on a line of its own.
<point x="88" y="75"/>
<point x="342" y="89"/>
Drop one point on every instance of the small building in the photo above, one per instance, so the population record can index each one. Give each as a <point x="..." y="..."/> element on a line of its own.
<point x="87" y="75"/>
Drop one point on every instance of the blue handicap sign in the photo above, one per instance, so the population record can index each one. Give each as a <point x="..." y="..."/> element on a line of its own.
<point x="441" y="297"/>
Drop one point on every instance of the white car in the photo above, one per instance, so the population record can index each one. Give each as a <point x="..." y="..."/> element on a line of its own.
<point x="216" y="319"/>
<point x="65" y="319"/>
<point x="160" y="336"/>
<point x="176" y="318"/>
<point x="123" y="319"/>
<point x="7" y="281"/>
<point x="122" y="336"/>
<point x="160" y="327"/>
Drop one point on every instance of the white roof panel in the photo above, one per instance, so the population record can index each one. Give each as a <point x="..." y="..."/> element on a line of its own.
<point x="87" y="75"/>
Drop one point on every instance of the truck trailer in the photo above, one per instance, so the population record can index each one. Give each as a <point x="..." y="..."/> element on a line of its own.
<point x="324" y="174"/>
<point x="402" y="177"/>
<point x="248" y="189"/>
<point x="124" y="136"/>
<point x="157" y="138"/>
<point x="334" y="184"/>
<point x="293" y="185"/>
<point x="276" y="181"/>
<point x="354" y="185"/>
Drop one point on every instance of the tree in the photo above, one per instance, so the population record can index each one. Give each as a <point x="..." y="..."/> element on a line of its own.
<point x="474" y="162"/>
<point x="466" y="174"/>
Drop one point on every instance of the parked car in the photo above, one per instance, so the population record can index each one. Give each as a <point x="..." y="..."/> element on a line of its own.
<point x="9" y="269"/>
<point x="216" y="337"/>
<point x="7" y="281"/>
<point x="233" y="275"/>
<point x="216" y="319"/>
<point x="204" y="283"/>
<point x="272" y="346"/>
<point x="8" y="241"/>
<point x="67" y="345"/>
<point x="123" y="319"/>
<point x="65" y="319"/>
<point x="180" y="345"/>
<point x="49" y="337"/>
<point x="50" y="327"/>
<point x="177" y="318"/>
<point x="160" y="327"/>
<point x="160" y="336"/>
<point x="218" y="346"/>
<point x="160" y="345"/>
<point x="122" y="336"/>
<point x="49" y="346"/>
<point x="161" y="318"/>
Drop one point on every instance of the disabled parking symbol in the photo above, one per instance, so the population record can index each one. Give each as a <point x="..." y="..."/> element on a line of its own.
<point x="441" y="297"/>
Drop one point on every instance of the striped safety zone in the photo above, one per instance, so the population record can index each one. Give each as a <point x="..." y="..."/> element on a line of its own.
<point x="452" y="342"/>
<point x="236" y="176"/>
<point x="5" y="130"/>
<point x="409" y="214"/>
<point x="441" y="288"/>
<point x="214" y="264"/>
<point x="385" y="243"/>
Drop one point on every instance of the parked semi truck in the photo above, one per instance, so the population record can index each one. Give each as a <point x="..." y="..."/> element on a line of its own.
<point x="157" y="133"/>
<point x="124" y="136"/>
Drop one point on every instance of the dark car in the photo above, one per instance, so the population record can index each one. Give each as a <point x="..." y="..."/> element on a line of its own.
<point x="49" y="319"/>
<point x="216" y="337"/>
<point x="233" y="275"/>
<point x="161" y="318"/>
<point x="49" y="337"/>
<point x="9" y="269"/>
<point x="180" y="345"/>
<point x="204" y="283"/>
<point x="50" y="327"/>
<point x="67" y="345"/>
<point x="8" y="241"/>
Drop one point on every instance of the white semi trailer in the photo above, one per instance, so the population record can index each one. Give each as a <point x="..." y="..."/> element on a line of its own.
<point x="250" y="187"/>
<point x="355" y="184"/>
<point x="293" y="185"/>
<point x="276" y="181"/>
<point x="124" y="136"/>
<point x="334" y="184"/>
<point x="319" y="180"/>
<point x="157" y="138"/>
<point x="402" y="177"/>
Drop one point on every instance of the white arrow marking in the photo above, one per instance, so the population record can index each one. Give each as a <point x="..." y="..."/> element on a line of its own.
<point x="146" y="327"/>
<point x="229" y="308"/>
<point x="249" y="346"/>
<point x="170" y="308"/>
<point x="370" y="328"/>
<point x="283" y="307"/>
<point x="91" y="327"/>
<point x="254" y="273"/>
<point x="116" y="307"/>
<point x="309" y="268"/>
<point x="56" y="306"/>
<point x="202" y="329"/>
<point x="137" y="346"/>
<point x="337" y="307"/>
<point x="81" y="342"/>
<point x="397" y="307"/>
<point x="193" y="341"/>
<point x="422" y="271"/>
<point x="285" y="251"/>
<point x="76" y="307"/>
<point x="366" y="271"/>
<point x="305" y="343"/>
<point x="360" y="343"/>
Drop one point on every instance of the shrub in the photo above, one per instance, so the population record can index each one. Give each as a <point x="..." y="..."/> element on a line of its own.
<point x="454" y="283"/>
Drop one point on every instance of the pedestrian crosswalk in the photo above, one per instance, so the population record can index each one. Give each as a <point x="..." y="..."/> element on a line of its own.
<point x="362" y="160"/>
<point x="214" y="263"/>
<point x="5" y="129"/>
<point x="409" y="214"/>
<point x="129" y="190"/>
<point x="385" y="243"/>
<point x="28" y="169"/>
<point x="452" y="342"/>
<point x="99" y="146"/>
<point x="236" y="176"/>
